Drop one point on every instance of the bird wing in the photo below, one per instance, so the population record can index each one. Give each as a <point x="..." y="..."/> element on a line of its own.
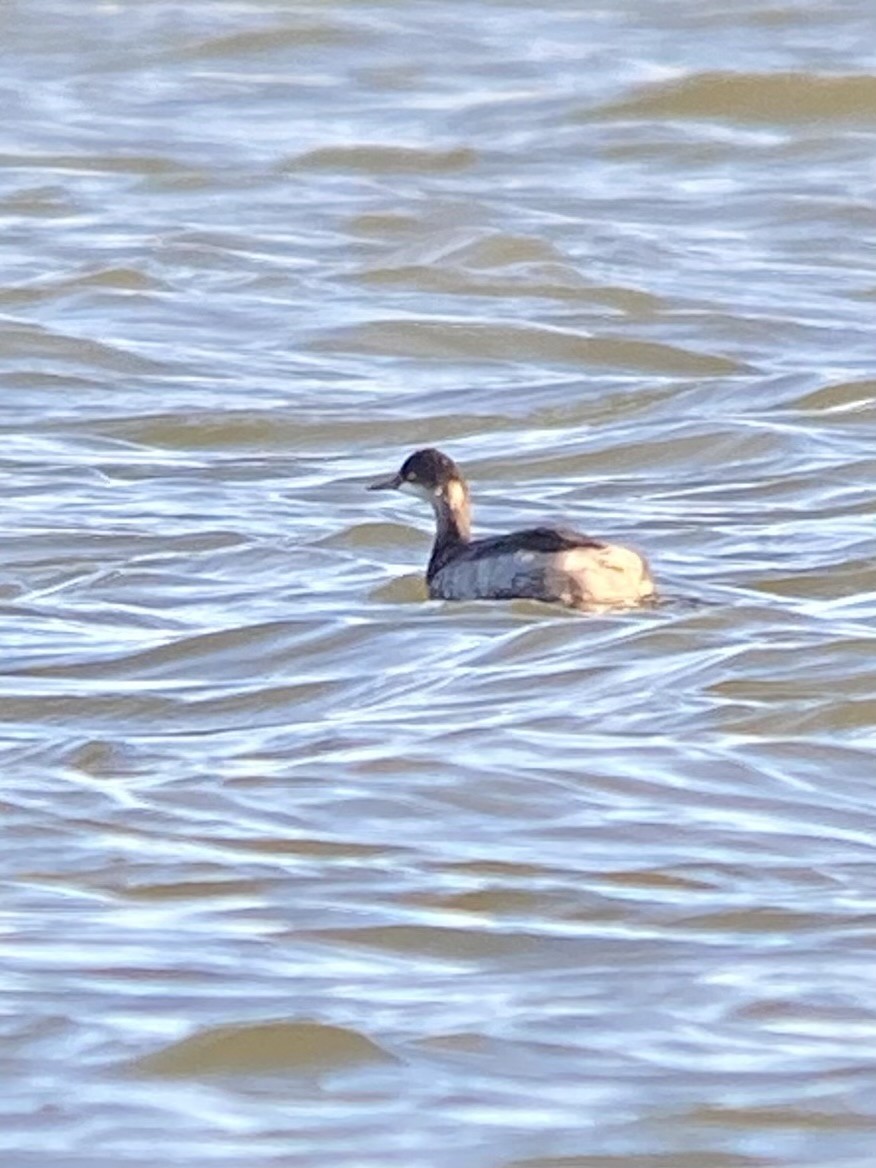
<point x="531" y="539"/>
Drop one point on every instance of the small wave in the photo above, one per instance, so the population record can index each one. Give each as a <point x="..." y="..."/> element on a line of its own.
<point x="755" y="97"/>
<point x="845" y="397"/>
<point x="266" y="1047"/>
<point x="112" y="279"/>
<point x="381" y="159"/>
<point x="267" y="40"/>
<point x="33" y="342"/>
<point x="441" y="339"/>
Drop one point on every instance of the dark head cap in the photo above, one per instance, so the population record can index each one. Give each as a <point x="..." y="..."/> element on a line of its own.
<point x="427" y="469"/>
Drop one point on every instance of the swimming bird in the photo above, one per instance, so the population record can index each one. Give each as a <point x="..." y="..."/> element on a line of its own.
<point x="541" y="563"/>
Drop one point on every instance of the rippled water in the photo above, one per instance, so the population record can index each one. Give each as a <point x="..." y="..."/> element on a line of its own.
<point x="300" y="867"/>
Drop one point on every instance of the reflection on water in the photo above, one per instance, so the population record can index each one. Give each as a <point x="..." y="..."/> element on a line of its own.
<point x="299" y="865"/>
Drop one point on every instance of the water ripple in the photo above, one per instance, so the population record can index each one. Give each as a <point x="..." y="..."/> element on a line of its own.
<point x="300" y="865"/>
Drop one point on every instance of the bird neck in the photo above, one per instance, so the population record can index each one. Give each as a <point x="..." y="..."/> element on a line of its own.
<point x="453" y="514"/>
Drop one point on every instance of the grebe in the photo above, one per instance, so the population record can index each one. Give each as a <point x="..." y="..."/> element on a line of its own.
<point x="541" y="563"/>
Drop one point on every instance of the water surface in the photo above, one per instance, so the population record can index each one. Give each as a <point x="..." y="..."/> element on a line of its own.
<point x="300" y="867"/>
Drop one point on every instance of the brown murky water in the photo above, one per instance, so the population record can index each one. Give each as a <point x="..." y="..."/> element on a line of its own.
<point x="298" y="867"/>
